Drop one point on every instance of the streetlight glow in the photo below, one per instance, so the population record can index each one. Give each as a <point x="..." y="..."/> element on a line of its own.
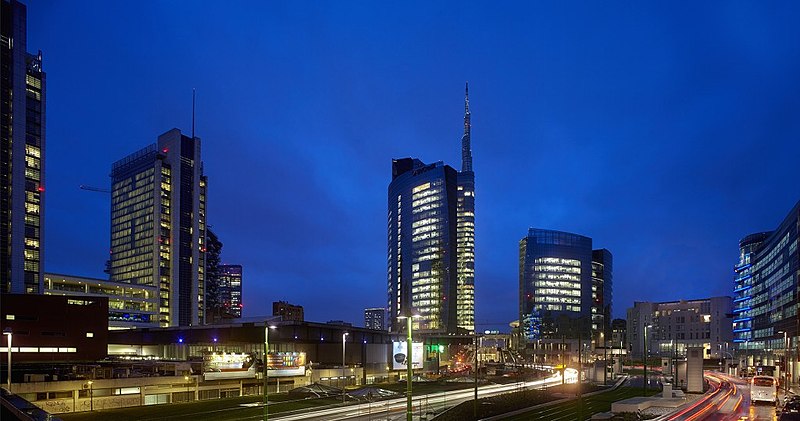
<point x="344" y="336"/>
<point x="267" y="327"/>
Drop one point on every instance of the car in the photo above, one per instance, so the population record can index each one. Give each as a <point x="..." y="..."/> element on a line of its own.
<point x="792" y="405"/>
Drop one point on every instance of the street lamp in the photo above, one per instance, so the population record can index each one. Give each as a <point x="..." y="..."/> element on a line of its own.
<point x="785" y="358"/>
<point x="645" y="358"/>
<point x="605" y="358"/>
<point x="267" y="327"/>
<point x="186" y="379"/>
<point x="7" y="331"/>
<point x="344" y="336"/>
<point x="409" y="365"/>
<point x="91" y="396"/>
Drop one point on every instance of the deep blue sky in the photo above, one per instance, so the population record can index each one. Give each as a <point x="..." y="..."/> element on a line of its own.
<point x="663" y="131"/>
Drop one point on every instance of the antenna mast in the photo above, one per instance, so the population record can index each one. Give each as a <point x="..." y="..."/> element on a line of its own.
<point x="193" y="96"/>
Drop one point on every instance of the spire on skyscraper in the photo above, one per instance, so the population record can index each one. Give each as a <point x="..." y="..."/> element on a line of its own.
<point x="466" y="149"/>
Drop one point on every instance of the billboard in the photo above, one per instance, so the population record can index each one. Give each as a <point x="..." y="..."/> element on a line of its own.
<point x="283" y="364"/>
<point x="242" y="366"/>
<point x="228" y="366"/>
<point x="399" y="358"/>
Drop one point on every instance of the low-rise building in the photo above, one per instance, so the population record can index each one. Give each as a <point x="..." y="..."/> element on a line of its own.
<point x="53" y="328"/>
<point x="130" y="306"/>
<point x="674" y="326"/>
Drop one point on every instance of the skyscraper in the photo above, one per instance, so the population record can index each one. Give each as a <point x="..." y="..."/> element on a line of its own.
<point x="465" y="228"/>
<point x="22" y="148"/>
<point x="565" y="286"/>
<point x="431" y="257"/>
<point x="231" y="289"/>
<point x="158" y="225"/>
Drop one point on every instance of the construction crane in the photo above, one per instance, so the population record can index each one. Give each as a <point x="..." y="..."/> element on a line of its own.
<point x="95" y="189"/>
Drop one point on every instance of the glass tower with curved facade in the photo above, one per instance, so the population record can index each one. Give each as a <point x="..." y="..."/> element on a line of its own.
<point x="564" y="285"/>
<point x="422" y="269"/>
<point x="767" y="277"/>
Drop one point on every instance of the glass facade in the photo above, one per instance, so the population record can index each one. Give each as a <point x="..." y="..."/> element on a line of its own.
<point x="766" y="281"/>
<point x="431" y="250"/>
<point x="158" y="226"/>
<point x="602" y="283"/>
<point x="422" y="260"/>
<point x="562" y="288"/>
<point x="129" y="306"/>
<point x="230" y="290"/>
<point x="22" y="146"/>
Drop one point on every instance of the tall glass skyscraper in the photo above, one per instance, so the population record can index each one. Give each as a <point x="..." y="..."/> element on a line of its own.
<point x="766" y="282"/>
<point x="158" y="226"/>
<point x="564" y="286"/>
<point x="230" y="289"/>
<point x="22" y="148"/>
<point x="431" y="250"/>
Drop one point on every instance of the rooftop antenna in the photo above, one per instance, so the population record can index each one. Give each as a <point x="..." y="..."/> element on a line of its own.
<point x="193" y="96"/>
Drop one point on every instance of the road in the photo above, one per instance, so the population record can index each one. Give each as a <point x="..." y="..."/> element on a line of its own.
<point x="729" y="401"/>
<point x="395" y="409"/>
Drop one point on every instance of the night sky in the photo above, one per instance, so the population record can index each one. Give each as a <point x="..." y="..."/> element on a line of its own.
<point x="666" y="132"/>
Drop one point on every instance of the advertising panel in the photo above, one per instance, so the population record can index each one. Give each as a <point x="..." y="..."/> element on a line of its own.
<point x="228" y="366"/>
<point x="284" y="364"/>
<point x="242" y="366"/>
<point x="399" y="358"/>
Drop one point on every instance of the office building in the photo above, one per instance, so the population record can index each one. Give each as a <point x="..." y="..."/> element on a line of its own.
<point x="287" y="311"/>
<point x="231" y="290"/>
<point x="674" y="326"/>
<point x="431" y="251"/>
<point x="375" y="318"/>
<point x="619" y="329"/>
<point x="765" y="294"/>
<point x="602" y="278"/>
<point x="158" y="225"/>
<point x="565" y="286"/>
<point x="22" y="152"/>
<point x="465" y="229"/>
<point x="130" y="306"/>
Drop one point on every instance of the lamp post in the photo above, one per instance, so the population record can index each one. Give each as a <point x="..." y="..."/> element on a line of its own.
<point x="267" y="327"/>
<point x="344" y="336"/>
<point x="605" y="360"/>
<point x="186" y="379"/>
<point x="645" y="359"/>
<point x="8" y="332"/>
<point x="91" y="396"/>
<point x="475" y="369"/>
<point x="409" y="365"/>
<point x="785" y="359"/>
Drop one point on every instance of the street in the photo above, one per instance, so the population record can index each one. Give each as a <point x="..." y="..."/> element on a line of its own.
<point x="729" y="400"/>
